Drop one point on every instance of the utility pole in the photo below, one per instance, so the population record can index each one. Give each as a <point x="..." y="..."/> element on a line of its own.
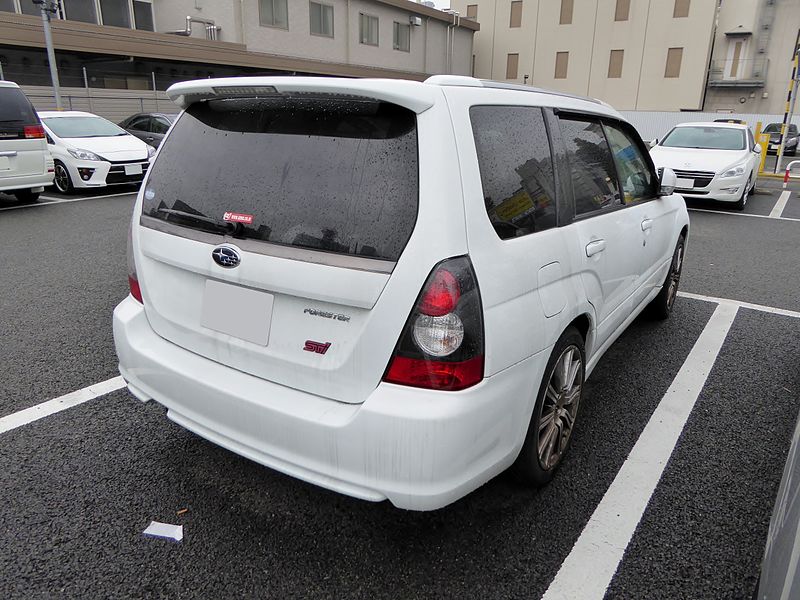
<point x="789" y="113"/>
<point x="49" y="7"/>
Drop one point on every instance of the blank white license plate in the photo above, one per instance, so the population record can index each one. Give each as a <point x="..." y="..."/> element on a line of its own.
<point x="685" y="183"/>
<point x="241" y="312"/>
<point x="133" y="169"/>
<point x="5" y="163"/>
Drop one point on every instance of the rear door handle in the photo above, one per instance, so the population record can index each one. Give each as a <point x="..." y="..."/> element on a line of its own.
<point x="647" y="224"/>
<point x="595" y="247"/>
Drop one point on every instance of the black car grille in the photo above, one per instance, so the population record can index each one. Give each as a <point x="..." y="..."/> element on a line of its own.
<point x="116" y="174"/>
<point x="701" y="178"/>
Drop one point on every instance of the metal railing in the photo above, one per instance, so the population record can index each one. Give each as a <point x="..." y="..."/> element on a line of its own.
<point x="727" y="72"/>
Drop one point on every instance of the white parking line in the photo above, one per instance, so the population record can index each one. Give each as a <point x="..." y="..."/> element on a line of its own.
<point x="590" y="566"/>
<point x="740" y="214"/>
<point x="45" y="409"/>
<point x="777" y="211"/>
<point x="54" y="200"/>
<point x="769" y="309"/>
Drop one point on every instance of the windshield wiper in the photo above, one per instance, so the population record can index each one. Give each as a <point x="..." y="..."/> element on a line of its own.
<point x="223" y="226"/>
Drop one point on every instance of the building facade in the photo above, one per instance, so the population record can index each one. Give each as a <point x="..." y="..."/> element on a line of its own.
<point x="751" y="65"/>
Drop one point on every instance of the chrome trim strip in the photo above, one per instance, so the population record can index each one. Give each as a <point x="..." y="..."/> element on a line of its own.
<point x="358" y="263"/>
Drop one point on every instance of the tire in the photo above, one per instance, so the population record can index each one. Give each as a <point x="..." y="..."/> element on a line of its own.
<point x="26" y="196"/>
<point x="62" y="180"/>
<point x="739" y="205"/>
<point x="555" y="412"/>
<point x="660" y="307"/>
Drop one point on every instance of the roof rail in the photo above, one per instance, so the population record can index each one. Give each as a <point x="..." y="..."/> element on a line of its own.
<point x="463" y="81"/>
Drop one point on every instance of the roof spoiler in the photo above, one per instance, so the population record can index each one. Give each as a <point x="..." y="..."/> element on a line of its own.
<point x="412" y="95"/>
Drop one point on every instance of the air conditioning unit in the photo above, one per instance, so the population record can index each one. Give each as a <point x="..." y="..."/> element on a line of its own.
<point x="416" y="21"/>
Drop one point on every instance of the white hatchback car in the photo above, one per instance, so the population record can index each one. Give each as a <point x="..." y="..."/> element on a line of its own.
<point x="91" y="152"/>
<point x="391" y="289"/>
<point x="25" y="164"/>
<point x="712" y="161"/>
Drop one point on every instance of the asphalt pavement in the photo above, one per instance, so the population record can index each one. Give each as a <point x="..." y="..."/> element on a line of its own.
<point x="81" y="485"/>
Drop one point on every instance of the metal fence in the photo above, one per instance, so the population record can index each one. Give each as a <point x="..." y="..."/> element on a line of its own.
<point x="654" y="124"/>
<point x="114" y="105"/>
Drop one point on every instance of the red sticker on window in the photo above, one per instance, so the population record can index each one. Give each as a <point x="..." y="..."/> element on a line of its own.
<point x="237" y="218"/>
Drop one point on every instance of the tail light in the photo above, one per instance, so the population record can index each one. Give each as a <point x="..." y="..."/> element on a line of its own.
<point x="441" y="346"/>
<point x="133" y="280"/>
<point x="33" y="131"/>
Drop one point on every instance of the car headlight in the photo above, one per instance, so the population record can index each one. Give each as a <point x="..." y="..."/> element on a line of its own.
<point x="83" y="154"/>
<point x="150" y="151"/>
<point x="734" y="172"/>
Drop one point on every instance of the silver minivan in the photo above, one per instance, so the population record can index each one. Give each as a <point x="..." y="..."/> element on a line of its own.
<point x="25" y="163"/>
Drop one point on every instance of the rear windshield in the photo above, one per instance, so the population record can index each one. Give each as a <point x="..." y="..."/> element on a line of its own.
<point x="707" y="138"/>
<point x="331" y="174"/>
<point x="15" y="111"/>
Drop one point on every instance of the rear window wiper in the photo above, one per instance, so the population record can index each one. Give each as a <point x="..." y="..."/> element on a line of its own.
<point x="219" y="224"/>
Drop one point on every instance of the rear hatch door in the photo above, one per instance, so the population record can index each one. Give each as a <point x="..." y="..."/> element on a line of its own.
<point x="19" y="156"/>
<point x="269" y="229"/>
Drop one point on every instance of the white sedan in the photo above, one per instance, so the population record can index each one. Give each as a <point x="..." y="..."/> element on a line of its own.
<point x="90" y="151"/>
<point x="713" y="161"/>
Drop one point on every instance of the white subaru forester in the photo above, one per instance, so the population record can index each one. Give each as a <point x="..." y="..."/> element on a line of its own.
<point x="391" y="289"/>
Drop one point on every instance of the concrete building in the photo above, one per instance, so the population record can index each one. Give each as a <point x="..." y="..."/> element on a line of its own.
<point x="117" y="56"/>
<point x="634" y="54"/>
<point x="752" y="60"/>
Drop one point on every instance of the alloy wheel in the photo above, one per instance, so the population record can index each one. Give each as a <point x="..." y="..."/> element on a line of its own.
<point x="675" y="276"/>
<point x="560" y="407"/>
<point x="61" y="178"/>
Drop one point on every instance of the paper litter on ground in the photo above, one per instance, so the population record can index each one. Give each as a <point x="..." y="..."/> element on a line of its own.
<point x="164" y="530"/>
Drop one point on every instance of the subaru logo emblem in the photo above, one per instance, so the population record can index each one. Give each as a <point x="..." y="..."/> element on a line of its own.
<point x="225" y="256"/>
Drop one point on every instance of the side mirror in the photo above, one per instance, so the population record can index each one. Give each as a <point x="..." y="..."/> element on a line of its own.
<point x="653" y="143"/>
<point x="667" y="181"/>
<point x="757" y="149"/>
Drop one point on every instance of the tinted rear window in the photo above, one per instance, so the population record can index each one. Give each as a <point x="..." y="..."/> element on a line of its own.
<point x="331" y="174"/>
<point x="16" y="111"/>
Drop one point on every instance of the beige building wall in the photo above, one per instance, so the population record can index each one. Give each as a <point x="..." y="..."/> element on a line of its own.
<point x="645" y="38"/>
<point x="429" y="48"/>
<point x="767" y="93"/>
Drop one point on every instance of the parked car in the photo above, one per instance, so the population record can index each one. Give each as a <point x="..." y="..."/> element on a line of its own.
<point x="713" y="161"/>
<point x="391" y="289"/>
<point x="25" y="164"/>
<point x="149" y="127"/>
<point x="91" y="152"/>
<point x="774" y="131"/>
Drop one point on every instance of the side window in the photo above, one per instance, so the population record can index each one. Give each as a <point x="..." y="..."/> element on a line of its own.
<point x="594" y="179"/>
<point x="159" y="125"/>
<point x="638" y="181"/>
<point x="140" y="124"/>
<point x="516" y="168"/>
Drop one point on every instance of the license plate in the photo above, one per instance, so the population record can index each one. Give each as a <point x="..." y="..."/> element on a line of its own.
<point x="685" y="183"/>
<point x="240" y="312"/>
<point x="5" y="163"/>
<point x="133" y="169"/>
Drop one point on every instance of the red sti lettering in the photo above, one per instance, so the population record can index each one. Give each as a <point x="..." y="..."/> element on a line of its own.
<point x="318" y="347"/>
<point x="233" y="217"/>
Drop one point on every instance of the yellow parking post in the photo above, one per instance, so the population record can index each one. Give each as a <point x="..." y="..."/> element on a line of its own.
<point x="763" y="140"/>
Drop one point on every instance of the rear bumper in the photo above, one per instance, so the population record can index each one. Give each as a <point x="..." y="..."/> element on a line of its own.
<point x="421" y="450"/>
<point x="25" y="182"/>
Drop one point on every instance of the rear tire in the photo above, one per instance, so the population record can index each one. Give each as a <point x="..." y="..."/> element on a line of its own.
<point x="61" y="180"/>
<point x="555" y="412"/>
<point x="660" y="307"/>
<point x="26" y="196"/>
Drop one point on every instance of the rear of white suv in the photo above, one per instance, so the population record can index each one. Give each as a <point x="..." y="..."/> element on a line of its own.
<point x="25" y="163"/>
<point x="306" y="266"/>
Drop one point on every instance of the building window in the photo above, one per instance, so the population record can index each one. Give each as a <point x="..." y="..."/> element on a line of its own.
<point x="516" y="14"/>
<point x="80" y="10"/>
<point x="274" y="13"/>
<point x="566" y="12"/>
<point x="368" y="29"/>
<point x="615" y="64"/>
<point x="681" y="9"/>
<point x="143" y="15"/>
<point x="623" y="10"/>
<point x="562" y="63"/>
<point x="115" y="13"/>
<point x="402" y="37"/>
<point x="321" y="19"/>
<point x="512" y="65"/>
<point x="472" y="11"/>
<point x="29" y="8"/>
<point x="7" y="6"/>
<point x="674" y="57"/>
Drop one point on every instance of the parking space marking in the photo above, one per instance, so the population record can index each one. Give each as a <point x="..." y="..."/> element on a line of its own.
<point x="595" y="557"/>
<point x="777" y="211"/>
<point x="740" y="214"/>
<point x="50" y="407"/>
<point x="768" y="309"/>
<point x="53" y="200"/>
